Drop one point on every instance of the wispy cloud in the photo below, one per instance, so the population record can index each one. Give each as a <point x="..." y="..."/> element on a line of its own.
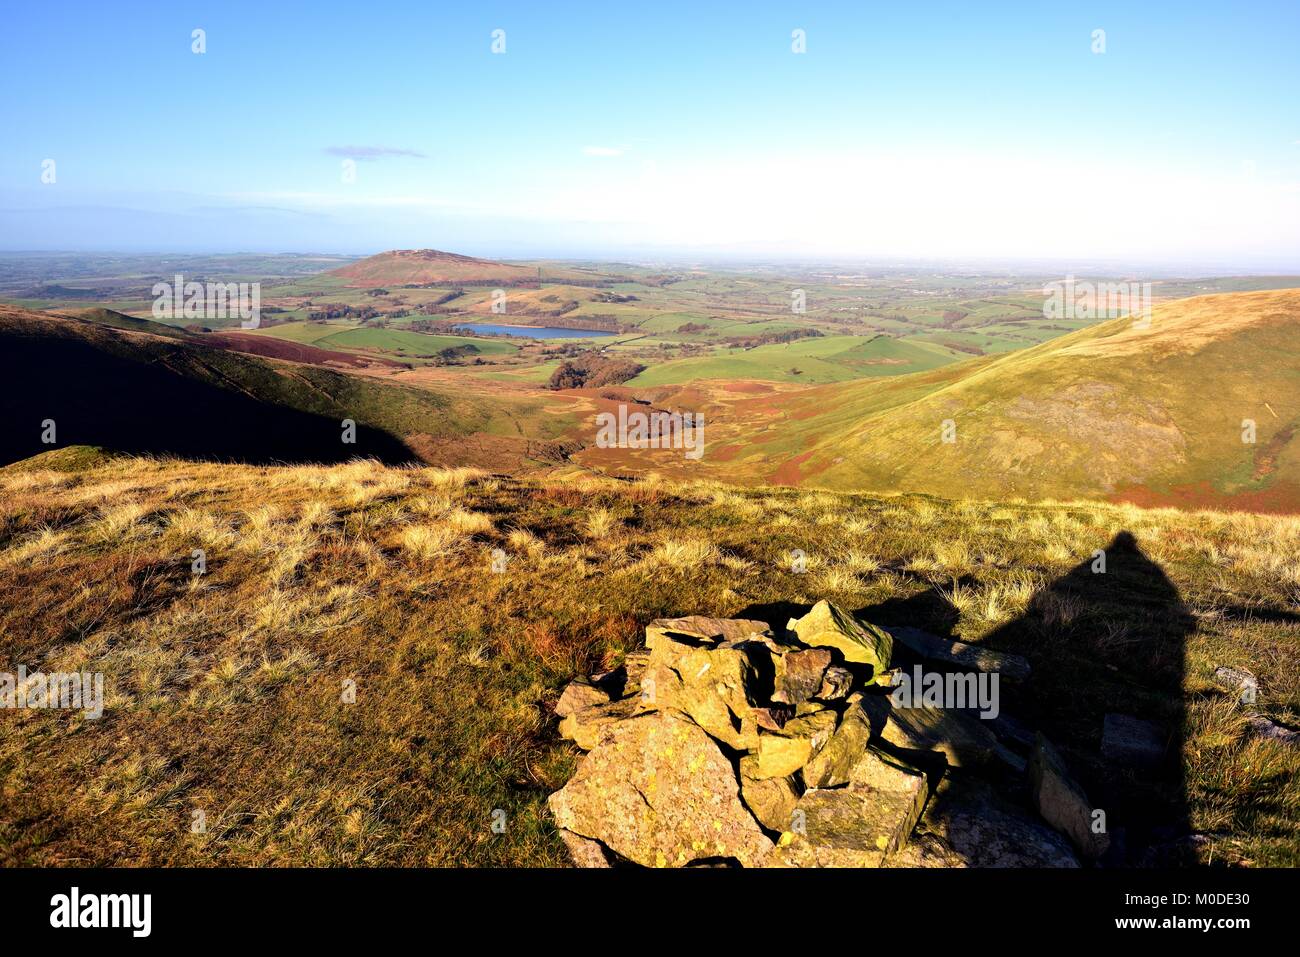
<point x="370" y="152"/>
<point x="603" y="150"/>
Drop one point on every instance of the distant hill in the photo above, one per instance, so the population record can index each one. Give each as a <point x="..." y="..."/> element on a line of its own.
<point x="138" y="392"/>
<point x="270" y="346"/>
<point x="120" y="320"/>
<point x="405" y="267"/>
<point x="1150" y="414"/>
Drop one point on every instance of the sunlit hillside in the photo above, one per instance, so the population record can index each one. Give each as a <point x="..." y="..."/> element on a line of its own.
<point x="1198" y="408"/>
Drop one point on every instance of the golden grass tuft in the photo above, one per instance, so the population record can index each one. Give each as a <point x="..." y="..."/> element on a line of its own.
<point x="600" y="523"/>
<point x="683" y="554"/>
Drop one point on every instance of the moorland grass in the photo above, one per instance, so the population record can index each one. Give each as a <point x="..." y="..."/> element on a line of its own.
<point x="226" y="692"/>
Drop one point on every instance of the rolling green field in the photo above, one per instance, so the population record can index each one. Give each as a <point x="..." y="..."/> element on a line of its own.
<point x="308" y="333"/>
<point x="682" y="323"/>
<point x="827" y="359"/>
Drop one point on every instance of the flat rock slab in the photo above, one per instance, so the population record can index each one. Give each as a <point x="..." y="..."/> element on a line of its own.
<point x="1062" y="802"/>
<point x="969" y="828"/>
<point x="859" y="825"/>
<point x="963" y="740"/>
<point x="705" y="630"/>
<point x="1270" y="729"/>
<point x="1007" y="728"/>
<point x="1243" y="682"/>
<point x="959" y="654"/>
<point x="659" y="792"/>
<point x="580" y="694"/>
<point x="1133" y="741"/>
<point x="586" y="726"/>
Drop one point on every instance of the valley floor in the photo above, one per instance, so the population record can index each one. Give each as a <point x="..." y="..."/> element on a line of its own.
<point x="365" y="673"/>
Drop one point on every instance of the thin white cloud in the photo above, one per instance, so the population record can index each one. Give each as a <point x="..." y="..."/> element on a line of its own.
<point x="371" y="152"/>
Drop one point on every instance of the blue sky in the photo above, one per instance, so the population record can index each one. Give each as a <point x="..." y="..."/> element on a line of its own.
<point x="905" y="131"/>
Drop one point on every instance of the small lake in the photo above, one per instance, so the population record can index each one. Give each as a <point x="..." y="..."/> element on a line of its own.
<point x="534" y="332"/>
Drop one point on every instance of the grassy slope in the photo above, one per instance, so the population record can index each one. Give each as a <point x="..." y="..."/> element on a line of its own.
<point x="305" y="332"/>
<point x="224" y="690"/>
<point x="118" y="320"/>
<point x="1090" y="413"/>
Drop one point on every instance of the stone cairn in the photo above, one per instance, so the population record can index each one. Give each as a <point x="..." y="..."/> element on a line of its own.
<point x="724" y="743"/>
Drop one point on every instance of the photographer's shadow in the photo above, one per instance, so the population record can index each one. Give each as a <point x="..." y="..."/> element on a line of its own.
<point x="1107" y="644"/>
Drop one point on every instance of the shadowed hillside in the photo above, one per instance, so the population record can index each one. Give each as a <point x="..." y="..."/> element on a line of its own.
<point x="145" y="395"/>
<point x="131" y="391"/>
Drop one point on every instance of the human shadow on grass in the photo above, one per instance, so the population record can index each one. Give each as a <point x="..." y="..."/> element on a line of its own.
<point x="1106" y="644"/>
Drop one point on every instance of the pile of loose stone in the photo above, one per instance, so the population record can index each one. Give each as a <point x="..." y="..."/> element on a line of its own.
<point x="727" y="743"/>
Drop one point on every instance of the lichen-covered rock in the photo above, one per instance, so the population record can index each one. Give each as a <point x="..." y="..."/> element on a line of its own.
<point x="773" y="717"/>
<point x="1062" y="802"/>
<point x="658" y="791"/>
<point x="584" y="851"/>
<point x="580" y="694"/>
<point x="959" y="654"/>
<point x="798" y="674"/>
<point x="715" y="687"/>
<point x="964" y="741"/>
<point x="831" y="766"/>
<point x="704" y="630"/>
<point x="585" y="726"/>
<point x="782" y="753"/>
<point x="859" y="825"/>
<point x="634" y="666"/>
<point x="1242" y="682"/>
<point x="1269" y="729"/>
<point x="836" y="683"/>
<point x="770" y="800"/>
<point x="829" y="626"/>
